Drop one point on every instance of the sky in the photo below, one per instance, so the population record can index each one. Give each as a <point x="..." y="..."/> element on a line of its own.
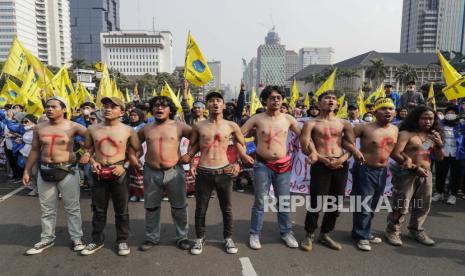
<point x="229" y="30"/>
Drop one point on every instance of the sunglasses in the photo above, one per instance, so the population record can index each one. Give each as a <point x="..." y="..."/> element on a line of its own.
<point x="161" y="105"/>
<point x="275" y="98"/>
<point x="92" y="119"/>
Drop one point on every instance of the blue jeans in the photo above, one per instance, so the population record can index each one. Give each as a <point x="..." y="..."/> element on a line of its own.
<point x="263" y="178"/>
<point x="369" y="182"/>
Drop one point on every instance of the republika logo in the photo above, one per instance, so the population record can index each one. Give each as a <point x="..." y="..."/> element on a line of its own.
<point x="198" y="66"/>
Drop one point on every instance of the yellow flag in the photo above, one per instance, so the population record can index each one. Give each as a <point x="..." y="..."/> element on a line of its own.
<point x="378" y="93"/>
<point x="10" y="91"/>
<point x="294" y="94"/>
<point x="431" y="95"/>
<point x="104" y="89"/>
<point x="154" y="93"/>
<point x="361" y="102"/>
<point x="190" y="99"/>
<point x="16" y="63"/>
<point x="342" y="112"/>
<point x="454" y="81"/>
<point x="307" y="101"/>
<point x="327" y="85"/>
<point x="127" y="96"/>
<point x="82" y="95"/>
<point x="168" y="92"/>
<point x="63" y="88"/>
<point x="29" y="95"/>
<point x="340" y="101"/>
<point x="254" y="102"/>
<point x="196" y="69"/>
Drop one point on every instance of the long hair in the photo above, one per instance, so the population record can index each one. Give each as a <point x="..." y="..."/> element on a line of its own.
<point x="410" y="123"/>
<point x="165" y="101"/>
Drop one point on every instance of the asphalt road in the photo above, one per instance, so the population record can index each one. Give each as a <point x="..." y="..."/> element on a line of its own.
<point x="20" y="229"/>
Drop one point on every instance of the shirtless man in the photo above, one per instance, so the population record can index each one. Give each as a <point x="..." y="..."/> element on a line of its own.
<point x="369" y="179"/>
<point x="412" y="179"/>
<point x="53" y="143"/>
<point x="212" y="137"/>
<point x="163" y="173"/>
<point x="322" y="140"/>
<point x="273" y="165"/>
<point x="110" y="141"/>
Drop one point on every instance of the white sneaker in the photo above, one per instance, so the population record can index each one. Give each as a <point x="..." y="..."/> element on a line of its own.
<point x="230" y="247"/>
<point x="91" y="248"/>
<point x="364" y="245"/>
<point x="437" y="197"/>
<point x="33" y="192"/>
<point x="198" y="247"/>
<point x="254" y="242"/>
<point x="375" y="240"/>
<point x="123" y="249"/>
<point x="78" y="245"/>
<point x="39" y="247"/>
<point x="133" y="198"/>
<point x="451" y="200"/>
<point x="290" y="241"/>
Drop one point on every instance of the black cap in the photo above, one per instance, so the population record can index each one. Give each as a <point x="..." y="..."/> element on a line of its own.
<point x="387" y="85"/>
<point x="411" y="83"/>
<point x="91" y="104"/>
<point x="213" y="94"/>
<point x="352" y="107"/>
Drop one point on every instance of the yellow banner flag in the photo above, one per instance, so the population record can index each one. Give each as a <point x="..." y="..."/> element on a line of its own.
<point x="127" y="96"/>
<point x="63" y="88"/>
<point x="104" y="89"/>
<point x="342" y="112"/>
<point x="254" y="102"/>
<point x="378" y="93"/>
<point x="454" y="81"/>
<point x="168" y="92"/>
<point x="327" y="85"/>
<point x="16" y="63"/>
<point x="307" y="101"/>
<point x="29" y="95"/>
<point x="82" y="95"/>
<point x="190" y="99"/>
<point x="431" y="97"/>
<point x="154" y="93"/>
<point x="294" y="94"/>
<point x="361" y="102"/>
<point x="196" y="69"/>
<point x="10" y="91"/>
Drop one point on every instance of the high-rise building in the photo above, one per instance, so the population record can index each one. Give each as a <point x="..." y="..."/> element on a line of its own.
<point x="271" y="60"/>
<point x="42" y="26"/>
<point x="136" y="53"/>
<point x="315" y="55"/>
<point x="215" y="82"/>
<point x="292" y="65"/>
<point x="89" y="18"/>
<point x="430" y="25"/>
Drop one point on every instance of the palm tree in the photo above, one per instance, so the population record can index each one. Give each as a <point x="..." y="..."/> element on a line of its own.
<point x="78" y="63"/>
<point x="314" y="79"/>
<point x="376" y="72"/>
<point x="404" y="74"/>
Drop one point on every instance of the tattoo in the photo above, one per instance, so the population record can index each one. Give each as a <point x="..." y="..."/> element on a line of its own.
<point x="52" y="142"/>
<point x="113" y="143"/>
<point x="273" y="137"/>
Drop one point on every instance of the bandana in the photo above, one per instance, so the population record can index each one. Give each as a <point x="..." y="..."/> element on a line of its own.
<point x="384" y="102"/>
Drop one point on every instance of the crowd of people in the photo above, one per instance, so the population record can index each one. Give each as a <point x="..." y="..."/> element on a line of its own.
<point x="131" y="152"/>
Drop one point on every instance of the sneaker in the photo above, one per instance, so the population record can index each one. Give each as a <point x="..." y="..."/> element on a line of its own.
<point x="422" y="237"/>
<point x="364" y="245"/>
<point x="229" y="246"/>
<point x="290" y="241"/>
<point x="393" y="239"/>
<point x="147" y="245"/>
<point x="198" y="246"/>
<point x="78" y="245"/>
<point x="190" y="195"/>
<point x="33" y="192"/>
<point x="165" y="198"/>
<point x="437" y="197"/>
<point x="307" y="243"/>
<point x="123" y="249"/>
<point x="91" y="248"/>
<point x="375" y="240"/>
<point x="326" y="240"/>
<point x="451" y="200"/>
<point x="254" y="242"/>
<point x="141" y="199"/>
<point x="39" y="247"/>
<point x="213" y="194"/>
<point x="133" y="198"/>
<point x="183" y="244"/>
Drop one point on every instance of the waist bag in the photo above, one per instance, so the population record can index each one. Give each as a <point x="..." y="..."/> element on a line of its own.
<point x="55" y="173"/>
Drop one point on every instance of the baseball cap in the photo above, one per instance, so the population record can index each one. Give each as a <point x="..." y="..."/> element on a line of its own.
<point x="60" y="99"/>
<point x="114" y="100"/>
<point x="213" y="94"/>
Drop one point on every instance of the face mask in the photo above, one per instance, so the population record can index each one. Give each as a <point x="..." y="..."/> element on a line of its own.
<point x="450" y="117"/>
<point x="86" y="112"/>
<point x="28" y="127"/>
<point x="440" y="117"/>
<point x="368" y="119"/>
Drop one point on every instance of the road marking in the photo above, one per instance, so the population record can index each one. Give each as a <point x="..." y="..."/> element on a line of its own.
<point x="247" y="268"/>
<point x="7" y="196"/>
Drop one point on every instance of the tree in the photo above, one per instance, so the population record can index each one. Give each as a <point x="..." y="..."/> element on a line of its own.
<point x="404" y="74"/>
<point x="78" y="63"/>
<point x="146" y="83"/>
<point x="376" y="72"/>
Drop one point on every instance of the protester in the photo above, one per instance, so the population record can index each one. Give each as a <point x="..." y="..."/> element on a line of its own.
<point x="401" y="114"/>
<point x="29" y="122"/>
<point x="411" y="98"/>
<point x="136" y="183"/>
<point x="368" y="117"/>
<point x="354" y="115"/>
<point x="420" y="134"/>
<point x="394" y="96"/>
<point x="313" y="111"/>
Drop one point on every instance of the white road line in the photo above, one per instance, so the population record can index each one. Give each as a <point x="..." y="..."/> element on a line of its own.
<point x="7" y="196"/>
<point x="247" y="268"/>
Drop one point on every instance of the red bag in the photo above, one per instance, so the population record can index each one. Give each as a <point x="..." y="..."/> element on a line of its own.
<point x="106" y="174"/>
<point x="281" y="166"/>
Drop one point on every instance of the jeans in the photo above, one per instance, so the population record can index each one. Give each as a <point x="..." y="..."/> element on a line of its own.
<point x="155" y="183"/>
<point x="48" y="198"/>
<point x="263" y="178"/>
<point x="101" y="193"/>
<point x="367" y="182"/>
<point x="456" y="171"/>
<point x="204" y="185"/>
<point x="325" y="182"/>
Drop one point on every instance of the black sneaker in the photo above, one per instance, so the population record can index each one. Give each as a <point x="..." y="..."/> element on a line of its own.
<point x="39" y="247"/>
<point x="198" y="246"/>
<point x="147" y="245"/>
<point x="183" y="244"/>
<point x="91" y="248"/>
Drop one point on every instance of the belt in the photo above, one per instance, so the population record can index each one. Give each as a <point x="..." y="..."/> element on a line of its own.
<point x="116" y="163"/>
<point x="224" y="170"/>
<point x="58" y="165"/>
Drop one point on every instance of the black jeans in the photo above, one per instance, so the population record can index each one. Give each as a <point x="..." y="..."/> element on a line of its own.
<point x="13" y="160"/>
<point x="456" y="173"/>
<point x="204" y="185"/>
<point x="101" y="193"/>
<point x="324" y="182"/>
